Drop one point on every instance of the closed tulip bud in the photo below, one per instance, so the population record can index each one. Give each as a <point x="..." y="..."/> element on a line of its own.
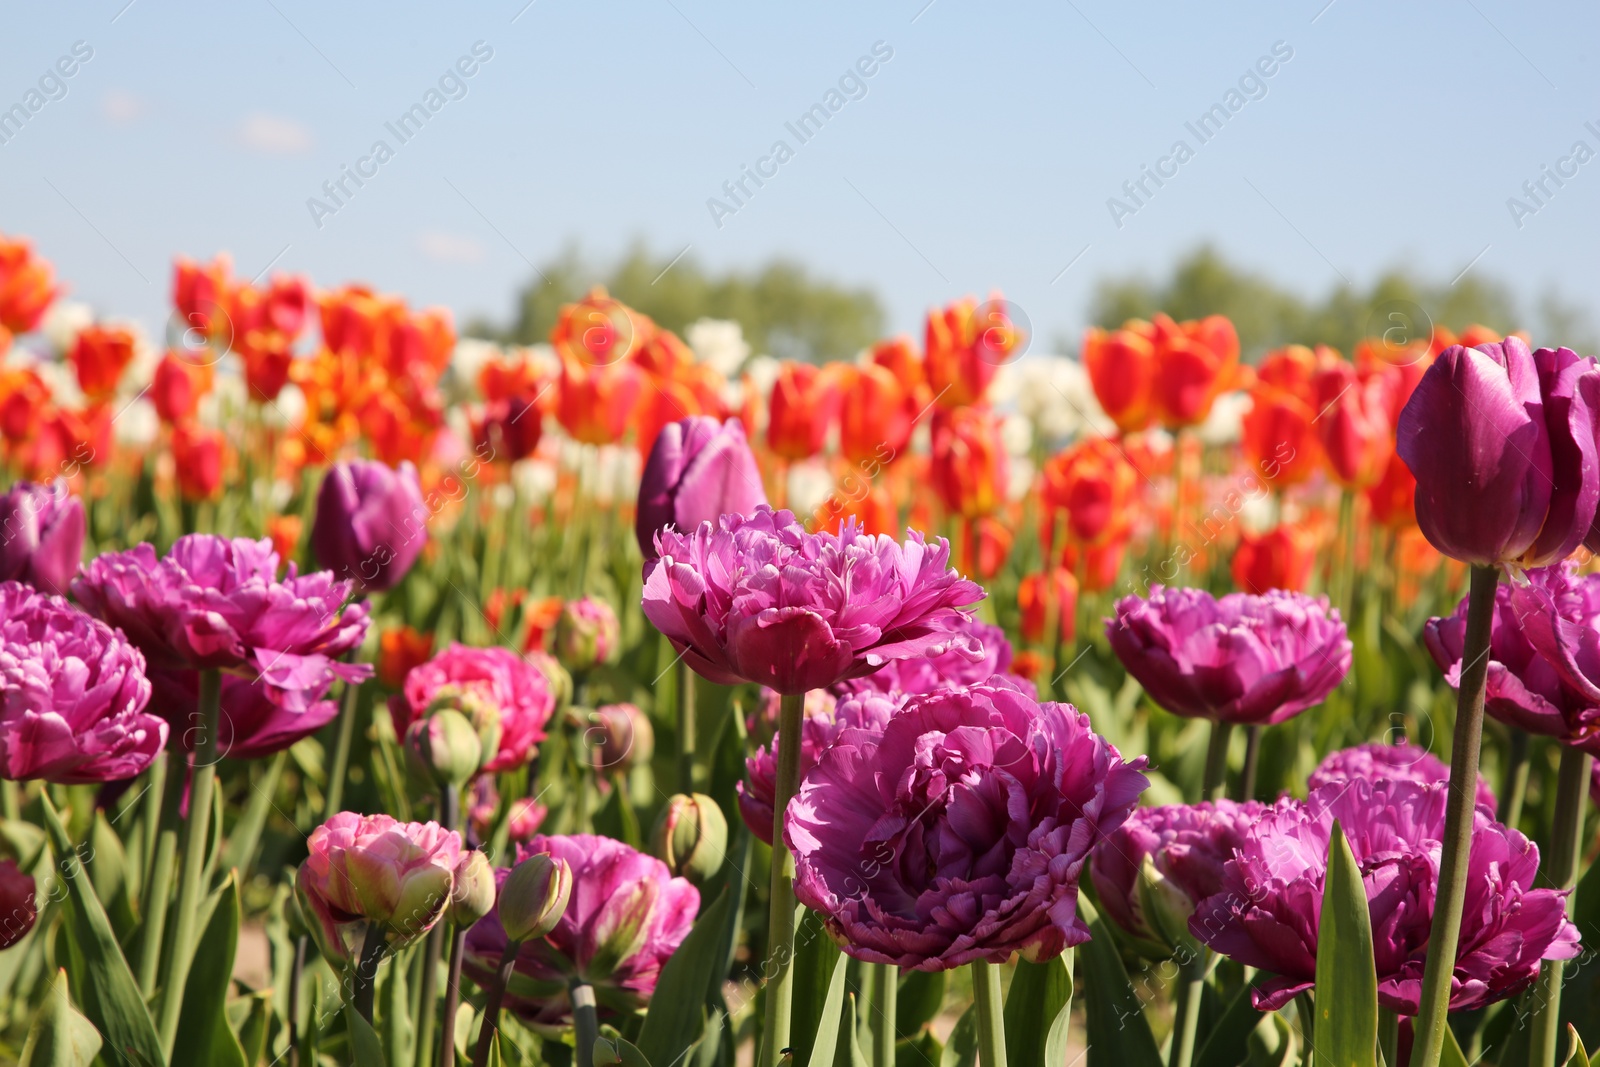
<point x="444" y="748"/>
<point x="691" y="837"/>
<point x="698" y="471"/>
<point x="620" y="737"/>
<point x="477" y="709"/>
<point x="1122" y="369"/>
<point x="1166" y="908"/>
<point x="371" y="522"/>
<point x="556" y="675"/>
<point x="534" y="897"/>
<point x="587" y="634"/>
<point x="622" y="927"/>
<point x="472" y="896"/>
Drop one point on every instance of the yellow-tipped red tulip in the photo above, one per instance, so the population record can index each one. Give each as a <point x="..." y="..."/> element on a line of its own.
<point x="966" y="344"/>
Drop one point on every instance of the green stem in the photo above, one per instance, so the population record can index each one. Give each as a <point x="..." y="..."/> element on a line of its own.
<point x="296" y="979"/>
<point x="1252" y="756"/>
<point x="158" y="888"/>
<point x="1451" y="896"/>
<point x="888" y="990"/>
<point x="585" y="1022"/>
<point x="491" y="1005"/>
<point x="991" y="1031"/>
<point x="449" y="808"/>
<point x="1514" y="788"/>
<point x="686" y="731"/>
<point x="364" y="979"/>
<point x="240" y="852"/>
<point x="1216" y="760"/>
<point x="452" y="999"/>
<point x="10" y="804"/>
<point x="197" y="835"/>
<point x="1572" y="787"/>
<point x="1186" y="1010"/>
<point x="780" y="921"/>
<point x="341" y="750"/>
<point x="1389" y="1036"/>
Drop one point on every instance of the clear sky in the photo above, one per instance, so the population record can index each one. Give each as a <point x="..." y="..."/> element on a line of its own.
<point x="980" y="154"/>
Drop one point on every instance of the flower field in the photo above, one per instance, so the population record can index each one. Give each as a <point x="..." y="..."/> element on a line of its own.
<point x="378" y="695"/>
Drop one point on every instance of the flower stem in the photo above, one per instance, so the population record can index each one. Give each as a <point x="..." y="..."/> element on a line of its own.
<point x="1451" y="898"/>
<point x="341" y="751"/>
<point x="158" y="886"/>
<point x="491" y="1005"/>
<point x="1389" y="1036"/>
<point x="686" y="726"/>
<point x="296" y="978"/>
<point x="1252" y="756"/>
<point x="585" y="1021"/>
<point x="780" y="922"/>
<point x="197" y="835"/>
<point x="888" y="987"/>
<point x="449" y="806"/>
<point x="1572" y="786"/>
<point x="364" y="984"/>
<point x="1216" y="760"/>
<point x="1186" y="1009"/>
<point x="1515" y="786"/>
<point x="991" y="1032"/>
<point x="452" y="999"/>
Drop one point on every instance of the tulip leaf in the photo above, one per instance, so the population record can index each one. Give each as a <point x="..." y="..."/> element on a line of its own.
<point x="676" y="1015"/>
<point x="824" y="1044"/>
<point x="1346" y="1009"/>
<point x="962" y="1049"/>
<point x="399" y="1033"/>
<point x="1229" y="1041"/>
<point x="204" y="1035"/>
<point x="365" y="1048"/>
<point x="59" y="1036"/>
<point x="1451" y="1055"/>
<point x="1579" y="1056"/>
<point x="1118" y="1032"/>
<point x="109" y="994"/>
<point x="108" y="871"/>
<point x="924" y="1050"/>
<point x="815" y="957"/>
<point x="921" y="997"/>
<point x="851" y="1032"/>
<point x="1038" y="1005"/>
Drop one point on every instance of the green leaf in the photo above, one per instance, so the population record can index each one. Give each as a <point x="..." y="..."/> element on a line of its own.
<point x="204" y="1035"/>
<point x="1347" y="980"/>
<point x="108" y="871"/>
<point x="60" y="1037"/>
<point x="921" y="997"/>
<point x="109" y="995"/>
<point x="1273" y="1044"/>
<point x="825" y="1039"/>
<point x="850" y="1031"/>
<point x="815" y="959"/>
<point x="1578" y="1057"/>
<point x="256" y="1027"/>
<point x="923" y="1050"/>
<point x="627" y="1052"/>
<point x="365" y="1048"/>
<point x="399" y="1033"/>
<point x="1229" y="1041"/>
<point x="676" y="1014"/>
<point x="1038" y="1005"/>
<point x="962" y="1050"/>
<point x="1451" y="1055"/>
<point x="1118" y="1032"/>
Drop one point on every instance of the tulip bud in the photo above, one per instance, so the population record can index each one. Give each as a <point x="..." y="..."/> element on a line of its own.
<point x="555" y="674"/>
<point x="443" y="748"/>
<point x="481" y="712"/>
<point x="587" y="634"/>
<point x="691" y="837"/>
<point x="472" y="896"/>
<point x="620" y="737"/>
<point x="622" y="928"/>
<point x="1166" y="909"/>
<point x="534" y="897"/>
<point x="370" y="522"/>
<point x="42" y="530"/>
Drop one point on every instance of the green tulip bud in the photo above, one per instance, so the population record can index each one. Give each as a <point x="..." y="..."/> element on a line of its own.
<point x="444" y="748"/>
<point x="472" y="897"/>
<point x="587" y="634"/>
<point x="534" y="897"/>
<point x="691" y="837"/>
<point x="482" y="713"/>
<point x="554" y="673"/>
<point x="1166" y="909"/>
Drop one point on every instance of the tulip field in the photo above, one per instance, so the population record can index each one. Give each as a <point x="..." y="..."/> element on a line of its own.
<point x="375" y="695"/>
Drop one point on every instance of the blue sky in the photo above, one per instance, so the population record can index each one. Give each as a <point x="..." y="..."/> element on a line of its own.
<point x="981" y="155"/>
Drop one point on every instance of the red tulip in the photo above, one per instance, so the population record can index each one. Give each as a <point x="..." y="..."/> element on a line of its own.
<point x="1195" y="362"/>
<point x="969" y="463"/>
<point x="1280" y="559"/>
<point x="1040" y="595"/>
<point x="1353" y="421"/>
<point x="966" y="345"/>
<point x="200" y="292"/>
<point x="875" y="415"/>
<point x="1122" y="369"/>
<point x="597" y="401"/>
<point x="1094" y="483"/>
<point x="100" y="355"/>
<point x="198" y="454"/>
<point x="805" y="399"/>
<point x="178" y="386"/>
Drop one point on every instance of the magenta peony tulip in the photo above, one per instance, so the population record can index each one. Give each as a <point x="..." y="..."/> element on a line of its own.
<point x="1187" y="844"/>
<point x="1266" y="913"/>
<point x="217" y="603"/>
<point x="250" y="724"/>
<point x="1502" y="443"/>
<point x="41" y="536"/>
<point x="72" y="694"/>
<point x="758" y="599"/>
<point x="513" y="685"/>
<point x="1536" y="653"/>
<point x="626" y="915"/>
<point x="372" y="869"/>
<point x="868" y="710"/>
<point x="698" y="471"/>
<point x="1400" y="763"/>
<point x="950" y="669"/>
<point x="958" y="833"/>
<point x="19" y="905"/>
<point x="1245" y="658"/>
<point x="370" y="523"/>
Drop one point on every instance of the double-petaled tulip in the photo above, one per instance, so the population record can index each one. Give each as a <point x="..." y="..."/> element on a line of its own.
<point x="178" y="386"/>
<point x="370" y="523"/>
<point x="1502" y="443"/>
<point x="1266" y="913"/>
<point x="1122" y="370"/>
<point x="876" y="415"/>
<point x="198" y="455"/>
<point x="99" y="355"/>
<point x="251" y="724"/>
<point x="757" y="598"/>
<point x="511" y="685"/>
<point x="75" y="694"/>
<point x="41" y="535"/>
<point x="698" y="471"/>
<point x="18" y="903"/>
<point x="959" y="831"/>
<point x="1281" y="558"/>
<point x="27" y="288"/>
<point x="372" y="871"/>
<point x="969" y="465"/>
<point x="1196" y="361"/>
<point x="1043" y="596"/>
<point x="1353" y="421"/>
<point x="624" y="917"/>
<point x="801" y="410"/>
<point x="1376" y="760"/>
<point x="1238" y="659"/>
<point x="1094" y="483"/>
<point x="967" y="343"/>
<point x="951" y="669"/>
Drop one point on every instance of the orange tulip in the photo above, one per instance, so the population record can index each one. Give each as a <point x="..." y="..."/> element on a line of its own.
<point x="27" y="288"/>
<point x="1402" y="366"/>
<point x="1352" y="421"/>
<point x="504" y="377"/>
<point x="541" y="616"/>
<point x="285" y="532"/>
<point x="399" y="650"/>
<point x="1279" y="436"/>
<point x="1393" y="498"/>
<point x="23" y="395"/>
<point x="1096" y="565"/>
<point x="873" y="508"/>
<point x="1280" y="559"/>
<point x="178" y="386"/>
<point x="1027" y="664"/>
<point x="1041" y="595"/>
<point x="197" y="452"/>
<point x="1195" y="362"/>
<point x="805" y="399"/>
<point x="1122" y="369"/>
<point x="985" y="547"/>
<point x="969" y="463"/>
<point x="200" y="295"/>
<point x="875" y="415"/>
<point x="1093" y="482"/>
<point x="599" y="330"/>
<point x="900" y="357"/>
<point x="966" y="344"/>
<point x="100" y="355"/>
<point x="597" y="401"/>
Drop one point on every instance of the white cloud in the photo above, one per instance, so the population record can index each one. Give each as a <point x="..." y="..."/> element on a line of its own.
<point x="120" y="107"/>
<point x="274" y="135"/>
<point x="450" y="247"/>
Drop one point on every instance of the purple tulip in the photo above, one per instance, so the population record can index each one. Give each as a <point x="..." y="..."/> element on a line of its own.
<point x="960" y="831"/>
<point x="250" y="724"/>
<point x="1267" y="911"/>
<point x="74" y="694"/>
<point x="1399" y="763"/>
<point x="951" y="669"/>
<point x="217" y="603"/>
<point x="1187" y="844"/>
<point x="758" y="599"/>
<point x="698" y="471"/>
<point x="1536" y="654"/>
<point x="621" y="900"/>
<point x="867" y="710"/>
<point x="370" y="523"/>
<point x="1245" y="658"/>
<point x="41" y="535"/>
<point x="1502" y="443"/>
